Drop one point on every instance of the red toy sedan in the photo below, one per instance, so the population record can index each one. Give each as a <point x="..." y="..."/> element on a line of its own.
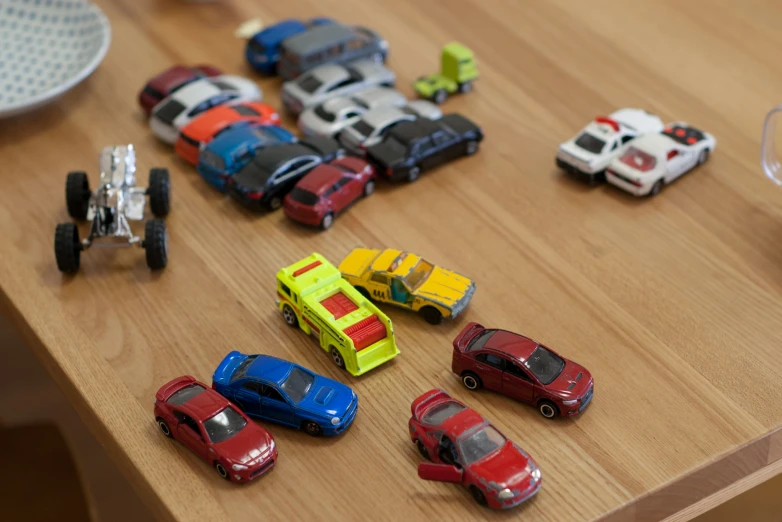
<point x="464" y="447"/>
<point x="205" y="127"/>
<point x="169" y="81"/>
<point x="215" y="429"/>
<point x="328" y="190"/>
<point x="521" y="368"/>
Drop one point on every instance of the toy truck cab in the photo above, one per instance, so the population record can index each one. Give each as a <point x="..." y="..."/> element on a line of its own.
<point x="312" y="295"/>
<point x="458" y="69"/>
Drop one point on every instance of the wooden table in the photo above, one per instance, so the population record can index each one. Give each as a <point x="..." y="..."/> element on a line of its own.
<point x="673" y="303"/>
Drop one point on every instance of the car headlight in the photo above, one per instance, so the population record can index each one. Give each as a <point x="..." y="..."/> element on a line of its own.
<point x="505" y="494"/>
<point x="570" y="403"/>
<point x="535" y="474"/>
<point x="238" y="467"/>
<point x="335" y="420"/>
<point x="272" y="445"/>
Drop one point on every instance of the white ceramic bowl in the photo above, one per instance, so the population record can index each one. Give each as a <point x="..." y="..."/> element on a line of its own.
<point x="46" y="48"/>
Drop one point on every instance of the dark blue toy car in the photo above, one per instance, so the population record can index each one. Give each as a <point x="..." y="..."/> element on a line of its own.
<point x="225" y="155"/>
<point x="263" y="49"/>
<point x="280" y="391"/>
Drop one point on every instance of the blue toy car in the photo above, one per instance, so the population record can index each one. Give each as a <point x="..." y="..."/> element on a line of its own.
<point x="279" y="391"/>
<point x="225" y="155"/>
<point x="263" y="49"/>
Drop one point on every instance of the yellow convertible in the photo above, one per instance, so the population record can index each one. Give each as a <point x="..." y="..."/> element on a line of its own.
<point x="407" y="280"/>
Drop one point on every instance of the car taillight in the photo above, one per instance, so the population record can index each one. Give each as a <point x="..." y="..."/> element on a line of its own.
<point x="636" y="182"/>
<point x="254" y="195"/>
<point x="389" y="171"/>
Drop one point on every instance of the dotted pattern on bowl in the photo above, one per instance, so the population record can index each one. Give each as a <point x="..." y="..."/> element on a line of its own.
<point x="45" y="44"/>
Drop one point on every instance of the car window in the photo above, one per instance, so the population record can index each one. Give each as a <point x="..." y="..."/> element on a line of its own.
<point x="479" y="340"/>
<point x="437" y="414"/>
<point x="342" y="182"/>
<point x="481" y="444"/>
<point x="244" y="110"/>
<point x="251" y="386"/>
<point x="516" y="371"/>
<point x="187" y="420"/>
<point x="242" y="368"/>
<point x="223" y="86"/>
<point x="363" y="128"/>
<point x="224" y="425"/>
<point x="305" y="197"/>
<point x="625" y="139"/>
<point x="638" y="159"/>
<point x="269" y="392"/>
<point x="351" y="114"/>
<point x="545" y="365"/>
<point x="491" y="360"/>
<point x="380" y="278"/>
<point x="447" y="451"/>
<point x="356" y="43"/>
<point x="590" y="143"/>
<point x="185" y="394"/>
<point x="298" y="384"/>
<point x="169" y="110"/>
<point x="151" y="91"/>
<point x="308" y="83"/>
<point x="441" y="138"/>
<point x="323" y="114"/>
<point x="212" y="159"/>
<point x="343" y="83"/>
<point x="285" y="287"/>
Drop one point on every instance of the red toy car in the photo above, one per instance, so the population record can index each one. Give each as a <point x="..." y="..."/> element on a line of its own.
<point x="329" y="189"/>
<point x="521" y="368"/>
<point x="215" y="429"/>
<point x="205" y="127"/>
<point x="464" y="447"/>
<point x="169" y="81"/>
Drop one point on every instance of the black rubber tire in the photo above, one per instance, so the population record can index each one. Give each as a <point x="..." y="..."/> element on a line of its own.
<point x="222" y="471"/>
<point x="164" y="428"/>
<point x="337" y="358"/>
<point x="431" y="315"/>
<point x="656" y="188"/>
<point x="275" y="203"/>
<point x="289" y="316"/>
<point x="363" y="291"/>
<point x="471" y="381"/>
<point x="327" y="221"/>
<point x="465" y="87"/>
<point x="703" y="157"/>
<point x="478" y="495"/>
<point x="548" y="409"/>
<point x="156" y="244"/>
<point x="159" y="191"/>
<point x="422" y="449"/>
<point x="312" y="428"/>
<point x="470" y="148"/>
<point x="440" y="96"/>
<point x="67" y="248"/>
<point x="414" y="173"/>
<point x="369" y="188"/>
<point x="77" y="195"/>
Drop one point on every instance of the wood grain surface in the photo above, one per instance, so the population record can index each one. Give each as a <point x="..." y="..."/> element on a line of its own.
<point x="673" y="303"/>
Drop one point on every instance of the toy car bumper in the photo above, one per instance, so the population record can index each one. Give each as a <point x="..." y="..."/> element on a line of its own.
<point x="626" y="184"/>
<point x="186" y="150"/>
<point x="167" y="133"/>
<point x="462" y="303"/>
<point x="592" y="178"/>
<point x="249" y="200"/>
<point x="345" y="423"/>
<point x="306" y="216"/>
<point x="253" y="472"/>
<point x="214" y="178"/>
<point x="518" y="499"/>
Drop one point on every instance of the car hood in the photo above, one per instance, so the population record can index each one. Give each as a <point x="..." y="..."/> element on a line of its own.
<point x="247" y="447"/>
<point x="507" y="468"/>
<point x="445" y="287"/>
<point x="572" y="383"/>
<point x="327" y="397"/>
<point x="386" y="154"/>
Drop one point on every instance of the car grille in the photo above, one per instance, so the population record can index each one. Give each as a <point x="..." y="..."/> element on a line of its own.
<point x="586" y="399"/>
<point x="263" y="469"/>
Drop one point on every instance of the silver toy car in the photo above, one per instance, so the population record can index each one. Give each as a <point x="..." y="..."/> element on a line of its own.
<point x="374" y="125"/>
<point x="330" y="117"/>
<point x="114" y="203"/>
<point x="329" y="81"/>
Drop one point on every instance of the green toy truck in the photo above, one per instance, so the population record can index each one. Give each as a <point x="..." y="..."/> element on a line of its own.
<point x="458" y="70"/>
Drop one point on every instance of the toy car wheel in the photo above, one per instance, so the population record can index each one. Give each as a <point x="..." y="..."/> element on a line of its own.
<point x="703" y="156"/>
<point x="414" y="173"/>
<point x="289" y="316"/>
<point x="465" y="87"/>
<point x="656" y="188"/>
<point x="159" y="191"/>
<point x="422" y="449"/>
<point x="327" y="221"/>
<point x="275" y="203"/>
<point x="471" y="381"/>
<point x="363" y="291"/>
<point x="478" y="495"/>
<point x="156" y="243"/>
<point x="431" y="314"/>
<point x="369" y="188"/>
<point x="471" y="148"/>
<point x="312" y="428"/>
<point x="439" y="96"/>
<point x="548" y="409"/>
<point x="337" y="358"/>
<point x="67" y="248"/>
<point x="77" y="195"/>
<point x="163" y="425"/>
<point x="222" y="471"/>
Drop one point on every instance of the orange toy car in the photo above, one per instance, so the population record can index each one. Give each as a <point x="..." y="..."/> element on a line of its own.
<point x="221" y="118"/>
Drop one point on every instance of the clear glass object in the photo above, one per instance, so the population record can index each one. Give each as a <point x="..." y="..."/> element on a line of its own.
<point x="768" y="156"/>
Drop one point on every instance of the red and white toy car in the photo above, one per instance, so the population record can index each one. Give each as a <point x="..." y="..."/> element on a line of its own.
<point x="655" y="160"/>
<point x="464" y="447"/>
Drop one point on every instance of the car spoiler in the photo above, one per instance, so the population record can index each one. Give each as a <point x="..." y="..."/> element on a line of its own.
<point x="468" y="333"/>
<point x="423" y="402"/>
<point x="226" y="368"/>
<point x="168" y="389"/>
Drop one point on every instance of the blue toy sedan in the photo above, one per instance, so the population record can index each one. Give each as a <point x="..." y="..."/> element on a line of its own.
<point x="279" y="391"/>
<point x="263" y="49"/>
<point x="231" y="150"/>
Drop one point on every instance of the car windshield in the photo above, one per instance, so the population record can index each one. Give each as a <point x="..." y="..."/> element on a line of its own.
<point x="211" y="159"/>
<point x="481" y="339"/>
<point x="309" y="83"/>
<point x="590" y="143"/>
<point x="298" y="384"/>
<point x="305" y="197"/>
<point x="439" y="413"/>
<point x="185" y="394"/>
<point x="480" y="444"/>
<point x="169" y="110"/>
<point x="223" y="85"/>
<point x="245" y="110"/>
<point x="363" y="128"/>
<point x="545" y="365"/>
<point x="224" y="425"/>
<point x="323" y="114"/>
<point x="153" y="92"/>
<point x="255" y="47"/>
<point x="418" y="274"/>
<point x="638" y="159"/>
<point x="242" y="368"/>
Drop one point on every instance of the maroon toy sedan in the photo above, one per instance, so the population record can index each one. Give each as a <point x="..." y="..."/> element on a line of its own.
<point x="522" y="369"/>
<point x="169" y="81"/>
<point x="215" y="429"/>
<point x="328" y="190"/>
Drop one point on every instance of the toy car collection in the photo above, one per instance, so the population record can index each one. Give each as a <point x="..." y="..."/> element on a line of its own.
<point x="263" y="48"/>
<point x="214" y="429"/>
<point x="331" y="80"/>
<point x="414" y="146"/>
<point x="114" y="203"/>
<point x="522" y="369"/>
<point x="279" y="391"/>
<point x="171" y="80"/>
<point x="465" y="448"/>
<point x="654" y="160"/>
<point x="458" y="69"/>
<point x="328" y="190"/>
<point x="407" y="280"/>
<point x="205" y="127"/>
<point x="312" y="295"/>
<point x="330" y="117"/>
<point x="588" y="154"/>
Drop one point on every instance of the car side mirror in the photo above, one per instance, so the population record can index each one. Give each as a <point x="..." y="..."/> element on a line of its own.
<point x="439" y="472"/>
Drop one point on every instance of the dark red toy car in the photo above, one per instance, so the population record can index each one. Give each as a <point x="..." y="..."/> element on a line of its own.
<point x="521" y="368"/>
<point x="329" y="189"/>
<point x="215" y="429"/>
<point x="464" y="447"/>
<point x="169" y="81"/>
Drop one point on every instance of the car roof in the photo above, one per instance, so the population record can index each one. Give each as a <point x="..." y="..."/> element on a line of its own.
<point x="514" y="345"/>
<point x="276" y="33"/>
<point x="320" y="178"/>
<point x="411" y="130"/>
<point x="268" y="368"/>
<point x="318" y="37"/>
<point x="377" y="96"/>
<point x="329" y="73"/>
<point x="205" y="404"/>
<point x="637" y="119"/>
<point x="456" y="425"/>
<point x="229" y="140"/>
<point x="340" y="103"/>
<point x="654" y="144"/>
<point x="195" y="92"/>
<point x="381" y="116"/>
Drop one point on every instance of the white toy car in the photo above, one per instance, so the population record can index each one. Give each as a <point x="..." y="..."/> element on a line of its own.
<point x="330" y="117"/>
<point x="652" y="161"/>
<point x="587" y="155"/>
<point x="181" y="107"/>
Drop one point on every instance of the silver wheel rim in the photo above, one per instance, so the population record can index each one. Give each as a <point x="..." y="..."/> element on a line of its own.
<point x="369" y="188"/>
<point x="337" y="357"/>
<point x="221" y="471"/>
<point x="327" y="221"/>
<point x="472" y="147"/>
<point x="413" y="175"/>
<point x="288" y="315"/>
<point x="657" y="188"/>
<point x="470" y="382"/>
<point x="275" y="203"/>
<point x="164" y="428"/>
<point x="547" y="411"/>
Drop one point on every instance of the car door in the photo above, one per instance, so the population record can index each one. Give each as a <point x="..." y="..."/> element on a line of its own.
<point x="447" y="452"/>
<point x="346" y="192"/>
<point x="189" y="432"/>
<point x="517" y="383"/>
<point x="489" y="368"/>
<point x="400" y="294"/>
<point x="676" y="164"/>
<point x="425" y="154"/>
<point x="379" y="287"/>
<point x="274" y="406"/>
<point x="248" y="397"/>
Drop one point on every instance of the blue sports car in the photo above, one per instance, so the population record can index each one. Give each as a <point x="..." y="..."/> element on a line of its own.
<point x="231" y="150"/>
<point x="263" y="49"/>
<point x="279" y="391"/>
